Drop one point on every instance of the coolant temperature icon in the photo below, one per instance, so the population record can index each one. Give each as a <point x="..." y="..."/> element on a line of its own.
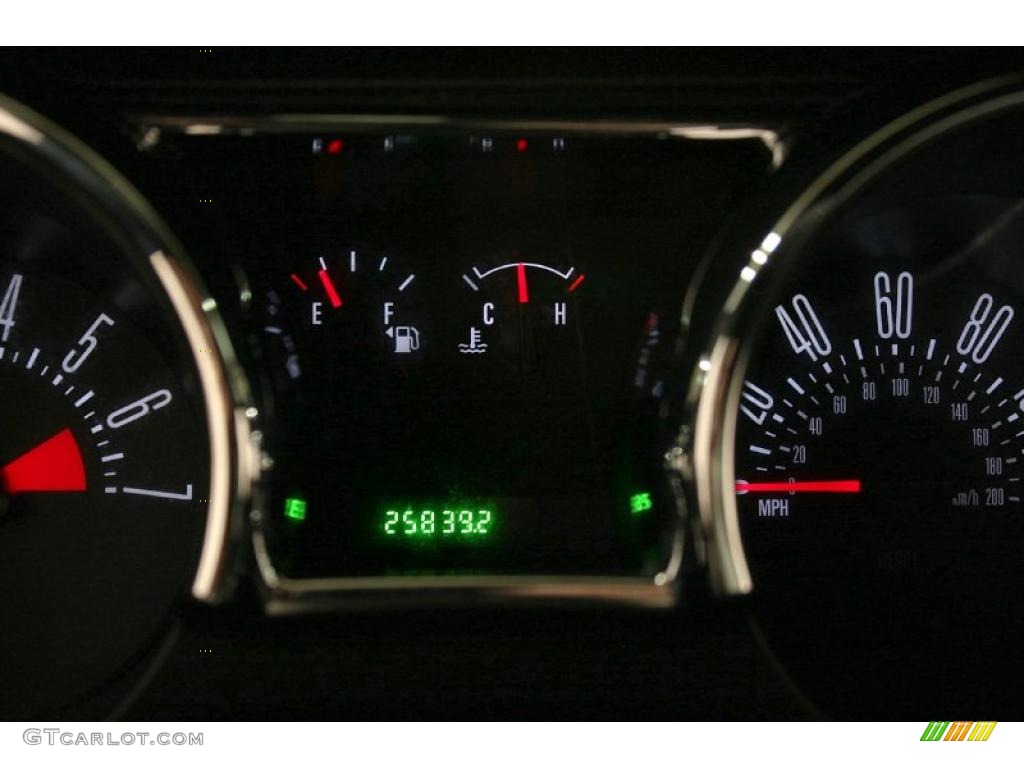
<point x="475" y="345"/>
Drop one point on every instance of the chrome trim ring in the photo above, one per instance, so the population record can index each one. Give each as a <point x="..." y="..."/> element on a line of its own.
<point x="152" y="249"/>
<point x="718" y="376"/>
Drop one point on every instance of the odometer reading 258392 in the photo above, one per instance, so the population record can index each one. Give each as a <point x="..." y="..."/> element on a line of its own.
<point x="895" y="412"/>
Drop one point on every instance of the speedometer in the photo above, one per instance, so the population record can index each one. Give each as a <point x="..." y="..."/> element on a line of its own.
<point x="867" y="486"/>
<point x="879" y="448"/>
<point x="846" y="405"/>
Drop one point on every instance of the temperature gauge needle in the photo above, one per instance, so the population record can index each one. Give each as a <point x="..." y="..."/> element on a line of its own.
<point x="53" y="465"/>
<point x="524" y="293"/>
<point x="802" y="486"/>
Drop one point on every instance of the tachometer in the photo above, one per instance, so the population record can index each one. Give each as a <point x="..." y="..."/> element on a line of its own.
<point x="118" y="448"/>
<point x="64" y="402"/>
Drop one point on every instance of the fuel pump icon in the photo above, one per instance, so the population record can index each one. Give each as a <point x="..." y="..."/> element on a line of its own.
<point x="406" y="338"/>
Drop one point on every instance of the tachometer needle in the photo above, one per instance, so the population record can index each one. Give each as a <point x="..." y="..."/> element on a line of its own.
<point x="802" y="486"/>
<point x="53" y="465"/>
<point x="332" y="293"/>
<point x="524" y="293"/>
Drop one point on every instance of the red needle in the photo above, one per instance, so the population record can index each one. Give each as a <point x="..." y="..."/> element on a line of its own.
<point x="53" y="465"/>
<point x="332" y="293"/>
<point x="524" y="294"/>
<point x="804" y="486"/>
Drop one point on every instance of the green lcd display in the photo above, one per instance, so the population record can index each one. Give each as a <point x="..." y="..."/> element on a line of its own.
<point x="424" y="525"/>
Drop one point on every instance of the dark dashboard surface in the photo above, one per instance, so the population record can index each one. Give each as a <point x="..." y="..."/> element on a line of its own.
<point x="246" y="212"/>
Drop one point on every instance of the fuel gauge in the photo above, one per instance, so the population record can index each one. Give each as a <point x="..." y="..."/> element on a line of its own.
<point x="344" y="313"/>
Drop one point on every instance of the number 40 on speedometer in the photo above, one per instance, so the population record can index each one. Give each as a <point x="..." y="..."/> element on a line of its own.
<point x="866" y="401"/>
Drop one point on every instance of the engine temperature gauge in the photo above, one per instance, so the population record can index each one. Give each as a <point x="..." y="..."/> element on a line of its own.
<point x="525" y="309"/>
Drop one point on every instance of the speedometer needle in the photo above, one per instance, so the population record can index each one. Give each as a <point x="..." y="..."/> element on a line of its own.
<point x="803" y="486"/>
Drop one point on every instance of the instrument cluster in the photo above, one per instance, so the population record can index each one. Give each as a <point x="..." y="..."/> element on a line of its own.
<point x="461" y="341"/>
<point x="404" y="362"/>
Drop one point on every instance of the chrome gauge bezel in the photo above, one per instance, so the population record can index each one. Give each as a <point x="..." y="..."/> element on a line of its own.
<point x="706" y="446"/>
<point x="152" y="250"/>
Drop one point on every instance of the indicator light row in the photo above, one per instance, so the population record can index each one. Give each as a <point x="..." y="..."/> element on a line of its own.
<point x="322" y="145"/>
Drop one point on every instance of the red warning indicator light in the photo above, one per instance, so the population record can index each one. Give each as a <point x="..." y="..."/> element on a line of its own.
<point x="334" y="146"/>
<point x="521" y="145"/>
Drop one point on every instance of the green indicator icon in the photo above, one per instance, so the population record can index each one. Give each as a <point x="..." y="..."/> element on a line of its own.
<point x="294" y="508"/>
<point x="639" y="503"/>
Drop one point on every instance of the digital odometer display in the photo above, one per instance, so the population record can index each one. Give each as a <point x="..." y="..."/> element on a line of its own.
<point x="438" y="525"/>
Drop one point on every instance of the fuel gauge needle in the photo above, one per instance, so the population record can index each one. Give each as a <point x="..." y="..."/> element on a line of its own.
<point x="801" y="486"/>
<point x="328" y="284"/>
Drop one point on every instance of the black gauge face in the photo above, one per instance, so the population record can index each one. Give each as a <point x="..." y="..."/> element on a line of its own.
<point x="103" y="483"/>
<point x="879" y="449"/>
<point x="104" y="457"/>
